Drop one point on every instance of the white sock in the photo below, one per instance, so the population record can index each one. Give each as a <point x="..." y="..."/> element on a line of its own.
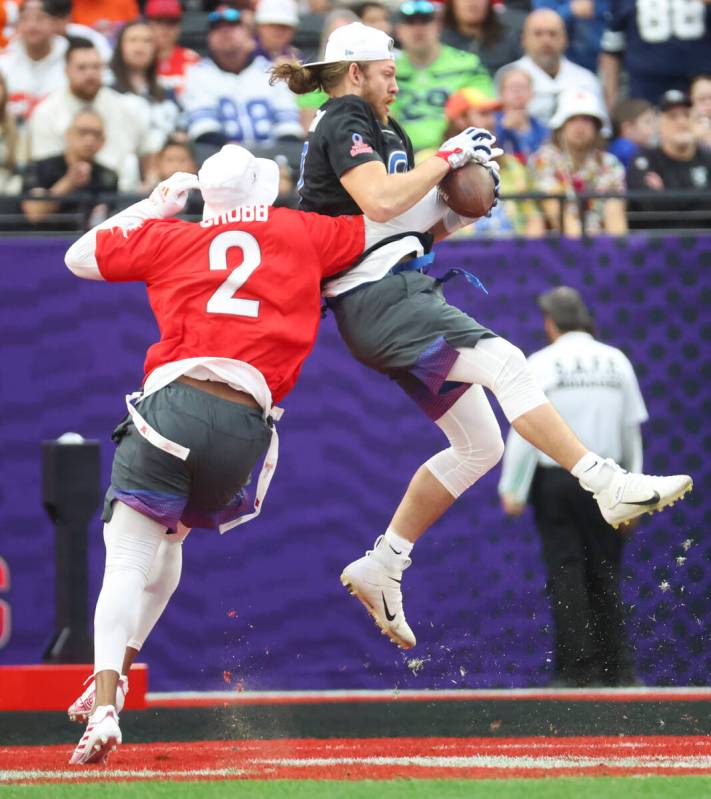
<point x="594" y="473"/>
<point x="400" y="545"/>
<point x="393" y="551"/>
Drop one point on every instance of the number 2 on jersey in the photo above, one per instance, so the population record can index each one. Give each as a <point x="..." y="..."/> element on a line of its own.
<point x="223" y="300"/>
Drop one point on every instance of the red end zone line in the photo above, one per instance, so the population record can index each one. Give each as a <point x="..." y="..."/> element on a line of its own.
<point x="381" y="758"/>
<point x="222" y="698"/>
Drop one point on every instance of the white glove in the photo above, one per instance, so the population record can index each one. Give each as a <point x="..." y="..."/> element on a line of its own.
<point x="472" y="144"/>
<point x="169" y="196"/>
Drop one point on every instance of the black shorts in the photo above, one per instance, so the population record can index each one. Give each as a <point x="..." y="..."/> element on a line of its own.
<point x="225" y="439"/>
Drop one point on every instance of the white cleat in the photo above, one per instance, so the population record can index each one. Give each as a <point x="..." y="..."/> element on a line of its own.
<point x="630" y="495"/>
<point x="102" y="737"/>
<point x="380" y="592"/>
<point x="83" y="707"/>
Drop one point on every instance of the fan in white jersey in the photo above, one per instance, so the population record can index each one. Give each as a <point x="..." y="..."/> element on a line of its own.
<point x="227" y="94"/>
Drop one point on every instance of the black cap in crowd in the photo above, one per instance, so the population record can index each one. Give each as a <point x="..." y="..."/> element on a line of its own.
<point x="673" y="99"/>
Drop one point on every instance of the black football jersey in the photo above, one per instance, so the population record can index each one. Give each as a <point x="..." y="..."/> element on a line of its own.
<point x="347" y="133"/>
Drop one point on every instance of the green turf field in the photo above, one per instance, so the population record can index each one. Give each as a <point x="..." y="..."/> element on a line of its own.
<point x="558" y="788"/>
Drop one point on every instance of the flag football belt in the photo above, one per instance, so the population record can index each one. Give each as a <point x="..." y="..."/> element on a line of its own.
<point x="419" y="264"/>
<point x="172" y="448"/>
<point x="422" y="264"/>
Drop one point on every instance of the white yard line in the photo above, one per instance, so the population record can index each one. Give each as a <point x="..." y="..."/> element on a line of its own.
<point x="498" y="762"/>
<point x="77" y="774"/>
<point x="642" y="692"/>
<point x="670" y="763"/>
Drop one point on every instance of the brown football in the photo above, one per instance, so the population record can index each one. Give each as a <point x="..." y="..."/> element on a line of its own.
<point x="469" y="190"/>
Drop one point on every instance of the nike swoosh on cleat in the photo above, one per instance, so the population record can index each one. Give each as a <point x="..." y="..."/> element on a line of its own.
<point x="394" y="579"/>
<point x="387" y="612"/>
<point x="651" y="501"/>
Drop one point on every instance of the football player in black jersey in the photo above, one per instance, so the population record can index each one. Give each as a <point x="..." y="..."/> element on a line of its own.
<point x="353" y="129"/>
<point x="394" y="317"/>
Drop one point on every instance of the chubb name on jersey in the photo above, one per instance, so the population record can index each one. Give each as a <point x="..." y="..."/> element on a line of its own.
<point x="245" y="213"/>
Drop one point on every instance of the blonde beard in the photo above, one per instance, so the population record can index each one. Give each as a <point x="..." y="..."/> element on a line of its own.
<point x="367" y="96"/>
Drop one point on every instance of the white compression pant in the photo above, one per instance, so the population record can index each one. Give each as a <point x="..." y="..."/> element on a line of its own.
<point x="141" y="573"/>
<point x="162" y="582"/>
<point x="470" y="424"/>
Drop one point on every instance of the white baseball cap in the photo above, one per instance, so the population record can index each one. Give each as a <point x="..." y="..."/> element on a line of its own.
<point x="234" y="177"/>
<point x="277" y="12"/>
<point x="577" y="102"/>
<point x="356" y="42"/>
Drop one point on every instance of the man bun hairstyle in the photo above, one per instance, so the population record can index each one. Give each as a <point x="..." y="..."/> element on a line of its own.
<point x="302" y="80"/>
<point x="299" y="79"/>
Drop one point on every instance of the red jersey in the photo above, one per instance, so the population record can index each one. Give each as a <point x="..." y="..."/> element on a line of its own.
<point x="171" y="70"/>
<point x="244" y="285"/>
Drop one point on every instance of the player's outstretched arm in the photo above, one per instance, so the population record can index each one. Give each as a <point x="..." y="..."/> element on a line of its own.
<point x="166" y="200"/>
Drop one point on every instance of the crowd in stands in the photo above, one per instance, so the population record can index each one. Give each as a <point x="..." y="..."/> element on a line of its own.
<point x="101" y="99"/>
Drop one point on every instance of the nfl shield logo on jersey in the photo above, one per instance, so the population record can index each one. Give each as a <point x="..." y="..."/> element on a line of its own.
<point x="359" y="146"/>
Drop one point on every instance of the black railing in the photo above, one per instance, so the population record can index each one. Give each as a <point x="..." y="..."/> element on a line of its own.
<point x="688" y="210"/>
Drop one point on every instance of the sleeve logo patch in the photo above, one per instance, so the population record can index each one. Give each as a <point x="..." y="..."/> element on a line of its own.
<point x="359" y="146"/>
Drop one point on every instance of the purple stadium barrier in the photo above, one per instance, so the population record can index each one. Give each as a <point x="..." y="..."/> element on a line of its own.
<point x="264" y="602"/>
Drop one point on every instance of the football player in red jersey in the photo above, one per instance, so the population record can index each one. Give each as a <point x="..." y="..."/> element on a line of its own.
<point x="237" y="301"/>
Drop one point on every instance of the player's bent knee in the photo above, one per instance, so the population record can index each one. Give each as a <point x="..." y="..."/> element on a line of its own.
<point x="515" y="387"/>
<point x="515" y="360"/>
<point x="458" y="469"/>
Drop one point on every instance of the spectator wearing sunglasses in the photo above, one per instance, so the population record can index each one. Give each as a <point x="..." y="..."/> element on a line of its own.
<point x="428" y="72"/>
<point x="227" y="94"/>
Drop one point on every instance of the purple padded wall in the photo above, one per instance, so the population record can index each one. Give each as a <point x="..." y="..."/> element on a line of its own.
<point x="264" y="602"/>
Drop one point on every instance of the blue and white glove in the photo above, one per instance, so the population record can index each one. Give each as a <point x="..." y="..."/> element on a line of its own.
<point x="493" y="168"/>
<point x="169" y="196"/>
<point x="472" y="144"/>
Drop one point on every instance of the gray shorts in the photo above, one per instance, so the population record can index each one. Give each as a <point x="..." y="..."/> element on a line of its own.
<point x="403" y="327"/>
<point x="225" y="439"/>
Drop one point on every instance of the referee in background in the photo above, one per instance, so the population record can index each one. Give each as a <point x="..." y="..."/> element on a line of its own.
<point x="595" y="389"/>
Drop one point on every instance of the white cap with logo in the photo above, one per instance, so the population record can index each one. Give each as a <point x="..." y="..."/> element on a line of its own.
<point x="234" y="177"/>
<point x="277" y="12"/>
<point x="577" y="102"/>
<point x="356" y="42"/>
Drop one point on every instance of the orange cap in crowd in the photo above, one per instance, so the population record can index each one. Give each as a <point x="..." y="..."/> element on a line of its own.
<point x="462" y="100"/>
